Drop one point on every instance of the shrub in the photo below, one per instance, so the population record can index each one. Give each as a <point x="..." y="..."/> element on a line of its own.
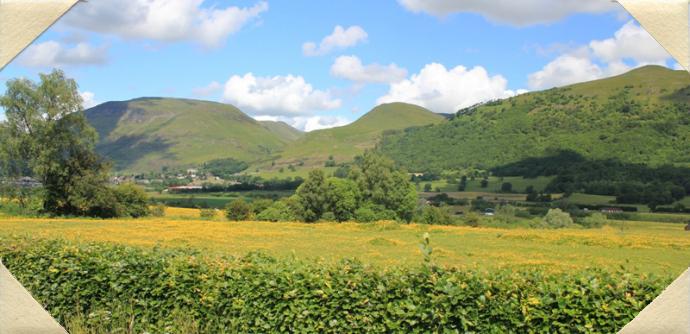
<point x="150" y="289"/>
<point x="596" y="220"/>
<point x="207" y="213"/>
<point x="158" y="210"/>
<point x="261" y="204"/>
<point x="556" y="218"/>
<point x="432" y="215"/>
<point x="278" y="211"/>
<point x="238" y="210"/>
<point x="370" y="213"/>
<point x="131" y="201"/>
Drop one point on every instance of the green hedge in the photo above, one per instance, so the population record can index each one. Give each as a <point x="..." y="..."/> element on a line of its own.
<point x="148" y="290"/>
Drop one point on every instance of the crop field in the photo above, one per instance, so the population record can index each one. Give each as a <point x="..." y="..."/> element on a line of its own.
<point x="637" y="246"/>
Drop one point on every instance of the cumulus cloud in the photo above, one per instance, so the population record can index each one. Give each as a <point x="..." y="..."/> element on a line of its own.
<point x="163" y="20"/>
<point x="351" y="68"/>
<point x="341" y="38"/>
<point x="630" y="42"/>
<point x="520" y="13"/>
<point x="601" y="58"/>
<point x="54" y="54"/>
<point x="308" y="123"/>
<point x="448" y="90"/>
<point x="210" y="89"/>
<point x="88" y="99"/>
<point x="277" y="95"/>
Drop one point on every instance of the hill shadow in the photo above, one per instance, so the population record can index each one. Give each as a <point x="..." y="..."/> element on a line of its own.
<point x="127" y="150"/>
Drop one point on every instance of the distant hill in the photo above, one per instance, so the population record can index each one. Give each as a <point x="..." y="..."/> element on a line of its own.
<point x="282" y="129"/>
<point x="148" y="133"/>
<point x="642" y="116"/>
<point x="344" y="142"/>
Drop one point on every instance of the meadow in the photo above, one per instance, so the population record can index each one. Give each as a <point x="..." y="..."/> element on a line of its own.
<point x="642" y="247"/>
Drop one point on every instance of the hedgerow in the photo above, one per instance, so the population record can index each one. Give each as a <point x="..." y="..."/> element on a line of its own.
<point x="151" y="288"/>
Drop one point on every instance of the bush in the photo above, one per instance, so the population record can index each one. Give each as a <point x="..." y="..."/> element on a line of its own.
<point x="596" y="220"/>
<point x="371" y="213"/>
<point x="432" y="215"/>
<point x="238" y="210"/>
<point x="279" y="211"/>
<point x="207" y="213"/>
<point x="131" y="201"/>
<point x="556" y="218"/>
<point x="150" y="289"/>
<point x="158" y="210"/>
<point x="261" y="204"/>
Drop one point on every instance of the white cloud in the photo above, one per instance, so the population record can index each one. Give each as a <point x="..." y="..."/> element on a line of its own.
<point x="520" y="13"/>
<point x="88" y="99"/>
<point x="341" y="38"/>
<point x="277" y="95"/>
<point x="210" y="89"/>
<point x="54" y="54"/>
<point x="630" y="42"/>
<point x="163" y="20"/>
<point x="448" y="90"/>
<point x="600" y="59"/>
<point x="308" y="123"/>
<point x="351" y="68"/>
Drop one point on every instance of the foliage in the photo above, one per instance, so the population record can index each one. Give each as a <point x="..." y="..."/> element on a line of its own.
<point x="596" y="220"/>
<point x="278" y="211"/>
<point x="224" y="168"/>
<point x="47" y="136"/>
<point x="556" y="218"/>
<point x="587" y="118"/>
<point x="261" y="204"/>
<point x="131" y="201"/>
<point x="238" y="210"/>
<point x="313" y="196"/>
<point x="432" y="215"/>
<point x="343" y="198"/>
<point x="152" y="288"/>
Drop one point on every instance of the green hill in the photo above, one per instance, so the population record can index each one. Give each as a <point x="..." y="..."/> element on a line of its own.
<point x="639" y="117"/>
<point x="282" y="129"/>
<point x="148" y="133"/>
<point x="344" y="142"/>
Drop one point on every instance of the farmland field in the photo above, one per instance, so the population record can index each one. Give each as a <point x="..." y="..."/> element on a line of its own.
<point x="638" y="246"/>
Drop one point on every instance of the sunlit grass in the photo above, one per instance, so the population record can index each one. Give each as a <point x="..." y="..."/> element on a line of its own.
<point x="638" y="246"/>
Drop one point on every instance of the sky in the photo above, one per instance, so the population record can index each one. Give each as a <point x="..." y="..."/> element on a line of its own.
<point x="318" y="64"/>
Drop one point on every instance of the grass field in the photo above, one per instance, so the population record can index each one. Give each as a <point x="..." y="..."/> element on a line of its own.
<point x="639" y="246"/>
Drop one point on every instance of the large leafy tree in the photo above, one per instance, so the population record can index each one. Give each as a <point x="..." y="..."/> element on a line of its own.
<point x="47" y="136"/>
<point x="313" y="196"/>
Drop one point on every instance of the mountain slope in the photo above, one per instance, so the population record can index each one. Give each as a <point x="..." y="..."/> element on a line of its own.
<point x="344" y="142"/>
<point x="148" y="133"/>
<point x="282" y="130"/>
<point x="642" y="116"/>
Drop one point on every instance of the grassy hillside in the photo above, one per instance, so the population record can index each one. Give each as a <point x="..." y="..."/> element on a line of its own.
<point x="638" y="117"/>
<point x="282" y="130"/>
<point x="343" y="143"/>
<point x="149" y="133"/>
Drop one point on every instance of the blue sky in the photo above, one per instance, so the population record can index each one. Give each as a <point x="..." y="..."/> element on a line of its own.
<point x="318" y="64"/>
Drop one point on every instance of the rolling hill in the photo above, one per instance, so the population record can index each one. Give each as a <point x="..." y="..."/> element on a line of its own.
<point x="344" y="142"/>
<point x="642" y="116"/>
<point x="146" y="134"/>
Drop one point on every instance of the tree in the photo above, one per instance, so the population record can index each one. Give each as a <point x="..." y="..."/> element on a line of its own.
<point x="427" y="187"/>
<point x="312" y="196"/>
<point x="507" y="187"/>
<point x="48" y="137"/>
<point x="343" y="198"/>
<point x="238" y="210"/>
<point x="484" y="183"/>
<point x="382" y="184"/>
